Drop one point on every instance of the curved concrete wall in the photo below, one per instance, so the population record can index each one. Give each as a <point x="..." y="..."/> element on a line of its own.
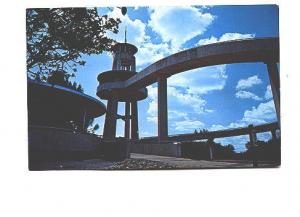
<point x="162" y="149"/>
<point x="52" y="139"/>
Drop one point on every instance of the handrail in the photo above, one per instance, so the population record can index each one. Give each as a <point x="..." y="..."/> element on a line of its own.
<point x="190" y="136"/>
<point x="217" y="134"/>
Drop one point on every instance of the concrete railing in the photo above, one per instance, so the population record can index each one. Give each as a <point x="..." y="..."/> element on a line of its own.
<point x="152" y="145"/>
<point x="41" y="138"/>
<point x="217" y="134"/>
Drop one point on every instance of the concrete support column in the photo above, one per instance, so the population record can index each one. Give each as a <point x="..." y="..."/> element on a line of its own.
<point x="84" y="120"/>
<point x="127" y="120"/>
<point x="133" y="65"/>
<point x="162" y="108"/>
<point x="275" y="86"/>
<point x="110" y="124"/>
<point x="274" y="134"/>
<point x="134" y="120"/>
<point x="210" y="148"/>
<point x="252" y="137"/>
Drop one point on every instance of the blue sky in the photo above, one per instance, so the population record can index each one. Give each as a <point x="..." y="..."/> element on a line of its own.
<point x="213" y="98"/>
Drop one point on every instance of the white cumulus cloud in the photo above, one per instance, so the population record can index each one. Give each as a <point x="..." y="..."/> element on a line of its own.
<point x="225" y="37"/>
<point x="181" y="104"/>
<point x="152" y="119"/>
<point x="185" y="92"/>
<point x="152" y="106"/>
<point x="249" y="82"/>
<point x="202" y="80"/>
<point x="179" y="24"/>
<point x="264" y="136"/>
<point x="268" y="93"/>
<point x="247" y="95"/>
<point x="135" y="28"/>
<point x="148" y="52"/>
<point x="263" y="113"/>
<point x="192" y="101"/>
<point x="176" y="114"/>
<point x="216" y="127"/>
<point x="176" y="98"/>
<point x="237" y="141"/>
<point x="188" y="125"/>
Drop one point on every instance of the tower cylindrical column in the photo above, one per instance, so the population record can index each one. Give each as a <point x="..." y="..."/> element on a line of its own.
<point x="110" y="119"/>
<point x="123" y="69"/>
<point x="273" y="132"/>
<point x="134" y="120"/>
<point x="127" y="120"/>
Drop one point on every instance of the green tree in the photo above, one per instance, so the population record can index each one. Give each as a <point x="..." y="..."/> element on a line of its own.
<point x="79" y="88"/>
<point x="60" y="78"/>
<point x="58" y="37"/>
<point x="74" y="86"/>
<point x="91" y="127"/>
<point x="96" y="127"/>
<point x="230" y="148"/>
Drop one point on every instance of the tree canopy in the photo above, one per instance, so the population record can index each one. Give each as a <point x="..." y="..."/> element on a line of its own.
<point x="58" y="37"/>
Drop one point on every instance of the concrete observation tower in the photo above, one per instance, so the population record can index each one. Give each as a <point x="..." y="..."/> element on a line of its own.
<point x="123" y="68"/>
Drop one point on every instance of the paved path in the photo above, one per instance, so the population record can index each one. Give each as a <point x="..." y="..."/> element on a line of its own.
<point x="91" y="164"/>
<point x="184" y="163"/>
<point x="142" y="161"/>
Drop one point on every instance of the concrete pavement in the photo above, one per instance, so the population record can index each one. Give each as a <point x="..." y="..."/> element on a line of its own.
<point x="184" y="163"/>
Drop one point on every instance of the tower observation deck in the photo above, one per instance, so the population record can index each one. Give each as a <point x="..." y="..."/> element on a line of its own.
<point x="123" y="68"/>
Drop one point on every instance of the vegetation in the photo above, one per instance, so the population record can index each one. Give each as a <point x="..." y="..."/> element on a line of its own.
<point x="92" y="128"/>
<point x="201" y="150"/>
<point x="59" y="78"/>
<point x="262" y="151"/>
<point x="58" y="37"/>
<point x="268" y="151"/>
<point x="201" y="131"/>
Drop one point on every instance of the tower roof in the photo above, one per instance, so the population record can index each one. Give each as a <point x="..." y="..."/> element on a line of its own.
<point x="127" y="45"/>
